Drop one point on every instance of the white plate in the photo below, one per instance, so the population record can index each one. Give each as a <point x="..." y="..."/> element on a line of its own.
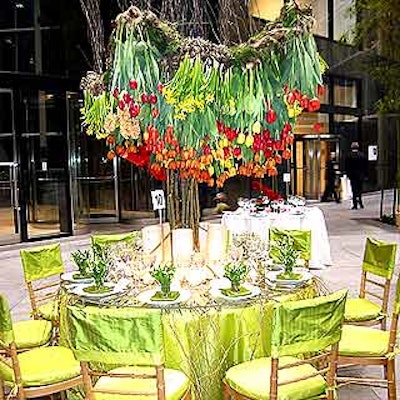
<point x="115" y="289"/>
<point x="69" y="276"/>
<point x="273" y="277"/>
<point x="215" y="291"/>
<point x="145" y="297"/>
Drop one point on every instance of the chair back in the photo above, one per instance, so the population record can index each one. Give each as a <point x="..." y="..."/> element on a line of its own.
<point x="6" y="328"/>
<point x="379" y="258"/>
<point x="112" y="239"/>
<point x="42" y="266"/>
<point x="129" y="337"/>
<point x="301" y="239"/>
<point x="308" y="327"/>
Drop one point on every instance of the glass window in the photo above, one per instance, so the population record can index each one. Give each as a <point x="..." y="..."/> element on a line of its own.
<point x="17" y="51"/>
<point x="312" y="124"/>
<point x="320" y="12"/>
<point x="344" y="20"/>
<point x="345" y="93"/>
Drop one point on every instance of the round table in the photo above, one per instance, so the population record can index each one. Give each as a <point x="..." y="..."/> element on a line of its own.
<point x="312" y="219"/>
<point x="201" y="338"/>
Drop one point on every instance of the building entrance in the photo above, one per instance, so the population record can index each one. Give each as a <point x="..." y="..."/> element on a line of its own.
<point x="312" y="153"/>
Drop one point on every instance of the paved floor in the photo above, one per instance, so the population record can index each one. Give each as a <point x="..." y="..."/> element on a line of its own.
<point x="347" y="232"/>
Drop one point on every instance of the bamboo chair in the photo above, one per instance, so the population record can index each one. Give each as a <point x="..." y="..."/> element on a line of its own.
<point x="42" y="268"/>
<point x="35" y="373"/>
<point x="363" y="345"/>
<point x="119" y="337"/>
<point x="310" y="328"/>
<point x="301" y="238"/>
<point x="113" y="239"/>
<point x="379" y="261"/>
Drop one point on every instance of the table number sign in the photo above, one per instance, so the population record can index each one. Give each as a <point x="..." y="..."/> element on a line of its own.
<point x="158" y="199"/>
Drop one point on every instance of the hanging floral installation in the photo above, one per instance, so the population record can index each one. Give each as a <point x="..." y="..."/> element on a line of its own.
<point x="193" y="111"/>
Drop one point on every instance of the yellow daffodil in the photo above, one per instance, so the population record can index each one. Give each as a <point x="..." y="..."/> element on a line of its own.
<point x="210" y="97"/>
<point x="291" y="112"/>
<point x="211" y="170"/>
<point x="228" y="164"/>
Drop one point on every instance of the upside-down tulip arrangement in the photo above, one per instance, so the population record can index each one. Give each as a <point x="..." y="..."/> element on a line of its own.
<point x="193" y="111"/>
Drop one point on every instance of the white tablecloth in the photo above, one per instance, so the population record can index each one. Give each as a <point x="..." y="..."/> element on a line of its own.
<point x="313" y="219"/>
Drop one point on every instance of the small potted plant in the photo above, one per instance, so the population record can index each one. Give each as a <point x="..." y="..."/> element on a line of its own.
<point x="236" y="272"/>
<point x="82" y="260"/>
<point x="164" y="274"/>
<point x="100" y="264"/>
<point x="287" y="257"/>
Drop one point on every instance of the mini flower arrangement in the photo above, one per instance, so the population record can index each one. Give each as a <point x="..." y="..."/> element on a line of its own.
<point x="100" y="266"/>
<point x="164" y="274"/>
<point x="82" y="260"/>
<point x="236" y="272"/>
<point x="287" y="256"/>
<point x="296" y="201"/>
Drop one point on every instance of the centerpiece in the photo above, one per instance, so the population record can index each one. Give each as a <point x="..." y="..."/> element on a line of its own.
<point x="287" y="257"/>
<point x="82" y="260"/>
<point x="236" y="272"/>
<point x="100" y="266"/>
<point x="164" y="274"/>
<point x="191" y="111"/>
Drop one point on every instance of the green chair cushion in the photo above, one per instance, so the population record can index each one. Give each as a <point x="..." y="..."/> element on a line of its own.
<point x="252" y="379"/>
<point x="43" y="366"/>
<point x="363" y="341"/>
<point x="49" y="311"/>
<point x="176" y="384"/>
<point x="32" y="333"/>
<point x="361" y="310"/>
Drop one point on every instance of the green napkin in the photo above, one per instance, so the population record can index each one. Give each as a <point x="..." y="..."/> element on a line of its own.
<point x="160" y="296"/>
<point x="233" y="293"/>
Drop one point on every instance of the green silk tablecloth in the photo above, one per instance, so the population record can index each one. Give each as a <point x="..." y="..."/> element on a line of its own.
<point x="203" y="342"/>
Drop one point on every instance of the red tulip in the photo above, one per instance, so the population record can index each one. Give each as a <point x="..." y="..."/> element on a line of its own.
<point x="290" y="98"/>
<point x="127" y="98"/>
<point x="121" y="104"/>
<point x="152" y="99"/>
<point x="237" y="152"/>
<point x="133" y="84"/>
<point x="134" y="109"/>
<point x="314" y="105"/>
<point x="220" y="127"/>
<point x="278" y="159"/>
<point x="304" y="102"/>
<point x="320" y="90"/>
<point x="116" y="93"/>
<point x="155" y="113"/>
<point x="145" y="98"/>
<point x="160" y="87"/>
<point x="271" y="116"/>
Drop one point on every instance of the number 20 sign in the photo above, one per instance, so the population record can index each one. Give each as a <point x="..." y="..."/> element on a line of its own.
<point x="158" y="199"/>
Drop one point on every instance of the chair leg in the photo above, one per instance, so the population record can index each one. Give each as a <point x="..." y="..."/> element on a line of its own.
<point x="2" y="388"/>
<point x="225" y="391"/>
<point x="391" y="376"/>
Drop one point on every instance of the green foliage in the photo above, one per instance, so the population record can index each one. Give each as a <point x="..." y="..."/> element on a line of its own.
<point x="380" y="27"/>
<point x="82" y="259"/>
<point x="164" y="274"/>
<point x="100" y="265"/>
<point x="236" y="272"/>
<point x="287" y="254"/>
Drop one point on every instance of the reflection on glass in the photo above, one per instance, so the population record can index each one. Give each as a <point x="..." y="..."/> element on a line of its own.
<point x="44" y="164"/>
<point x="312" y="123"/>
<point x="344" y="20"/>
<point x="320" y="11"/>
<point x="345" y="93"/>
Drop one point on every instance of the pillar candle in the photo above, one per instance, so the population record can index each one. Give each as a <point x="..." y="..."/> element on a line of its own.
<point x="182" y="245"/>
<point x="216" y="242"/>
<point x="153" y="244"/>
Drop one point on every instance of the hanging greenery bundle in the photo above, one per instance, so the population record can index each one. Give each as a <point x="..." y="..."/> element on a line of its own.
<point x="207" y="111"/>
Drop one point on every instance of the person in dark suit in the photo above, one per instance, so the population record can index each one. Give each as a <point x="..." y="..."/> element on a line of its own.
<point x="356" y="166"/>
<point x="332" y="175"/>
